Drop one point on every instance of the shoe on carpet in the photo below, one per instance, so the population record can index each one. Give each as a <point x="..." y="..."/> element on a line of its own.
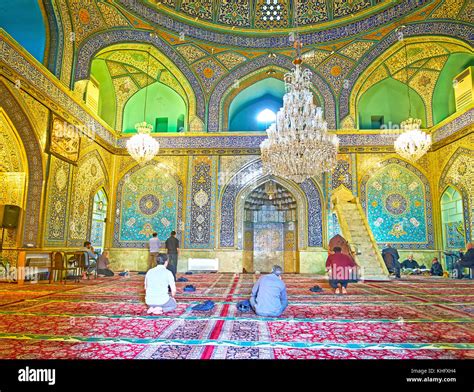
<point x="244" y="306"/>
<point x="337" y="291"/>
<point x="205" y="306"/>
<point x="344" y="291"/>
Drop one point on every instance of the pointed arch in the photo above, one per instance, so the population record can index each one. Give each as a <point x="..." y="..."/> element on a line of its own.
<point x="166" y="189"/>
<point x="97" y="42"/>
<point x="426" y="57"/>
<point x="89" y="175"/>
<point x="250" y="68"/>
<point x="308" y="194"/>
<point x="459" y="31"/>
<point x="99" y="209"/>
<point x="396" y="206"/>
<point x="249" y="81"/>
<point x="453" y="221"/>
<point x="20" y="119"/>
<point x="458" y="172"/>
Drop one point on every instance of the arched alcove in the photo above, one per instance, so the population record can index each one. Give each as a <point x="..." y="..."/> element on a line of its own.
<point x="149" y="199"/>
<point x="246" y="106"/>
<point x="99" y="215"/>
<point x="388" y="100"/>
<point x="165" y="109"/>
<point x="270" y="228"/>
<point x="452" y="219"/>
<point x="397" y="201"/>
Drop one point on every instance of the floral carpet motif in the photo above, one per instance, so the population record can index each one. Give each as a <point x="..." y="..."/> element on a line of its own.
<point x="413" y="318"/>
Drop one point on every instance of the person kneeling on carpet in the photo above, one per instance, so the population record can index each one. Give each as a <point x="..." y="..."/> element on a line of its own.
<point x="103" y="265"/>
<point x="269" y="297"/>
<point x="157" y="282"/>
<point x="340" y="268"/>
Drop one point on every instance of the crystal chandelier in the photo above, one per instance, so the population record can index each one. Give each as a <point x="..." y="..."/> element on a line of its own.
<point x="142" y="147"/>
<point x="413" y="143"/>
<point x="298" y="144"/>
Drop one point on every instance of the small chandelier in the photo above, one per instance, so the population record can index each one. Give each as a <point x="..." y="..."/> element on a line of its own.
<point x="298" y="145"/>
<point x="413" y="143"/>
<point x="142" y="147"/>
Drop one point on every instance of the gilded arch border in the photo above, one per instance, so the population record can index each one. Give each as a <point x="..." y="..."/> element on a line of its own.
<point x="246" y="180"/>
<point x="18" y="116"/>
<point x="97" y="42"/>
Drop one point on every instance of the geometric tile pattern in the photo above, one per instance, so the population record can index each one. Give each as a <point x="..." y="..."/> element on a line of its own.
<point x="149" y="199"/>
<point x="89" y="175"/>
<point x="201" y="202"/>
<point x="397" y="200"/>
<point x="57" y="203"/>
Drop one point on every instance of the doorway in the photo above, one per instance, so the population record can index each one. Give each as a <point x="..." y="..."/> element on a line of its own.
<point x="452" y="217"/>
<point x="99" y="217"/>
<point x="270" y="229"/>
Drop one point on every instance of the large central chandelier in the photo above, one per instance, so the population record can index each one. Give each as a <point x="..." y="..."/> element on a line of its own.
<point x="413" y="143"/>
<point x="142" y="147"/>
<point x="298" y="144"/>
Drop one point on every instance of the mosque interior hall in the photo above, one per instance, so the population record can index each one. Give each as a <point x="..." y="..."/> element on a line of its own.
<point x="264" y="134"/>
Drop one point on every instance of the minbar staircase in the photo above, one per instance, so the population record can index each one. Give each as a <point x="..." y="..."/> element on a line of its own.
<point x="356" y="230"/>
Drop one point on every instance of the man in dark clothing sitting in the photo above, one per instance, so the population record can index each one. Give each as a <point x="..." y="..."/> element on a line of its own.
<point x="390" y="256"/>
<point x="467" y="261"/>
<point x="436" y="268"/>
<point x="410" y="263"/>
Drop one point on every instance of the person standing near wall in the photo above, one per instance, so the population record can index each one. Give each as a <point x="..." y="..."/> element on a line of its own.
<point x="172" y="247"/>
<point x="390" y="253"/>
<point x="154" y="245"/>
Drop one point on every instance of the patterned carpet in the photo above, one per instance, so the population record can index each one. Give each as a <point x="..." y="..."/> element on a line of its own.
<point x="414" y="318"/>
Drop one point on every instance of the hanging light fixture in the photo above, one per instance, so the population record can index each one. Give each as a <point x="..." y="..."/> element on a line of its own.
<point x="413" y="143"/>
<point x="142" y="147"/>
<point x="298" y="144"/>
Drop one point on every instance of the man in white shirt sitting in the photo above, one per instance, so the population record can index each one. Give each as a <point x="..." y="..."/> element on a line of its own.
<point x="157" y="281"/>
<point x="154" y="245"/>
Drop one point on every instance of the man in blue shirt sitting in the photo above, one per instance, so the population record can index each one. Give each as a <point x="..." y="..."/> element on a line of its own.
<point x="269" y="297"/>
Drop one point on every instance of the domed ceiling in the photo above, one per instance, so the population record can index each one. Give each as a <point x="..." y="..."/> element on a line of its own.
<point x="261" y="15"/>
